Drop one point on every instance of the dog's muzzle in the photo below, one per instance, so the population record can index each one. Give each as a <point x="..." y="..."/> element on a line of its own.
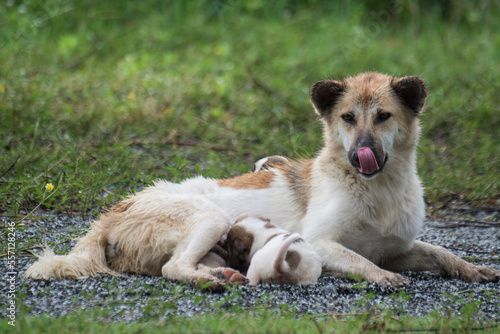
<point x="367" y="162"/>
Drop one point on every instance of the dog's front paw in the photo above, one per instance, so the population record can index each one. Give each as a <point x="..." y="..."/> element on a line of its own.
<point x="473" y="273"/>
<point x="388" y="278"/>
<point x="210" y="284"/>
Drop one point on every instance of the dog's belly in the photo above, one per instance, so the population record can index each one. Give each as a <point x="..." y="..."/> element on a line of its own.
<point x="270" y="203"/>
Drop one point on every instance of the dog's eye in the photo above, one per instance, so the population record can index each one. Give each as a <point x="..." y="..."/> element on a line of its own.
<point x="349" y="118"/>
<point x="383" y="116"/>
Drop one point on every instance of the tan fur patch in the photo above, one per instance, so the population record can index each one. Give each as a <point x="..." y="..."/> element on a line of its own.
<point x="240" y="219"/>
<point x="122" y="206"/>
<point x="271" y="237"/>
<point x="299" y="176"/>
<point x="241" y="233"/>
<point x="269" y="225"/>
<point x="239" y="243"/>
<point x="273" y="161"/>
<point x="367" y="89"/>
<point x="293" y="259"/>
<point x="259" y="180"/>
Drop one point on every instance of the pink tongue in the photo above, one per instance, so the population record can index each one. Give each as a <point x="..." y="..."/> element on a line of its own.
<point x="367" y="161"/>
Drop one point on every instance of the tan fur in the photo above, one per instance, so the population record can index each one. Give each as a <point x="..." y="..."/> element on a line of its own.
<point x="270" y="162"/>
<point x="271" y="237"/>
<point x="269" y="225"/>
<point x="299" y="177"/>
<point x="293" y="259"/>
<point x="239" y="243"/>
<point x="259" y="180"/>
<point x="241" y="218"/>
<point x="122" y="206"/>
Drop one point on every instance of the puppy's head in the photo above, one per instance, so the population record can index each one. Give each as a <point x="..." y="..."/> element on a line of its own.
<point x="369" y="117"/>
<point x="239" y="243"/>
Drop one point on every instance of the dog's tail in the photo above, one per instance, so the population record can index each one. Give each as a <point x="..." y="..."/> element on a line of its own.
<point x="281" y="264"/>
<point x="87" y="258"/>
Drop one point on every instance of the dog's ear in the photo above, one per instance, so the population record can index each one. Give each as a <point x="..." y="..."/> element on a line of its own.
<point x="411" y="91"/>
<point x="325" y="94"/>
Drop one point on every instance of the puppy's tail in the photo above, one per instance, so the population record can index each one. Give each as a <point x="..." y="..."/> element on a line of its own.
<point x="287" y="260"/>
<point x="87" y="259"/>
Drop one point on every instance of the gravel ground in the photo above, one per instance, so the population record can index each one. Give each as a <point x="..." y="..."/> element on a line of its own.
<point x="132" y="297"/>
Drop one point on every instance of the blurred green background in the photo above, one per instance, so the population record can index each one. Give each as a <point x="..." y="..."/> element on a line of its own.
<point x="99" y="98"/>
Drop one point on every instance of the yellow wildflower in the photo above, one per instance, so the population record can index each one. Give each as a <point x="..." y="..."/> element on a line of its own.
<point x="131" y="96"/>
<point x="49" y="187"/>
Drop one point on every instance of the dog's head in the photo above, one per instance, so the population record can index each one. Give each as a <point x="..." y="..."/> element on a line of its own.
<point x="370" y="117"/>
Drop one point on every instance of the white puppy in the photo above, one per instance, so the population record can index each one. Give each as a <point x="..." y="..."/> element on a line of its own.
<point x="271" y="254"/>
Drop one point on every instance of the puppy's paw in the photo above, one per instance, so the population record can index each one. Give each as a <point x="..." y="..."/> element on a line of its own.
<point x="232" y="276"/>
<point x="473" y="273"/>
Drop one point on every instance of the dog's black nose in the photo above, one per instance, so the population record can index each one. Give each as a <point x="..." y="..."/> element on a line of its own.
<point x="354" y="159"/>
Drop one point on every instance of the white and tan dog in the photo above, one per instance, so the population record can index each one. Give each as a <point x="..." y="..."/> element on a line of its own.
<point x="359" y="203"/>
<point x="270" y="254"/>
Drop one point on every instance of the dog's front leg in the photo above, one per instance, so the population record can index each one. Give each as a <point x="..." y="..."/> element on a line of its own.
<point x="341" y="261"/>
<point x="426" y="257"/>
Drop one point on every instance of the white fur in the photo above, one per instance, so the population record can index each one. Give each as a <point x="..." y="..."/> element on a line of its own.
<point x="267" y="255"/>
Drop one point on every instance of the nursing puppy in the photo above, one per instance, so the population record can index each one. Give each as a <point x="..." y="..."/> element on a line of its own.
<point x="271" y="254"/>
<point x="358" y="203"/>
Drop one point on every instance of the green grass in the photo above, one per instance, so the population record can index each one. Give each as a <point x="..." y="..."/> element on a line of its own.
<point x="257" y="321"/>
<point x="97" y="315"/>
<point x="102" y="98"/>
<point x="159" y="316"/>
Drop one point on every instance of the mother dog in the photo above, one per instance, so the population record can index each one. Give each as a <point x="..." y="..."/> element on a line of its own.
<point x="359" y="203"/>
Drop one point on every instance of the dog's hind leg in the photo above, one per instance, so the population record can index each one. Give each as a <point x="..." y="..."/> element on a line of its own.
<point x="207" y="225"/>
<point x="425" y="257"/>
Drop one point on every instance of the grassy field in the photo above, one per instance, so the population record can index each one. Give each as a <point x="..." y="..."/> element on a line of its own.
<point x="101" y="98"/>
<point x="258" y="322"/>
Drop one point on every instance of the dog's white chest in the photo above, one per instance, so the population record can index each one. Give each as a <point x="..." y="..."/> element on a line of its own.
<point x="384" y="229"/>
